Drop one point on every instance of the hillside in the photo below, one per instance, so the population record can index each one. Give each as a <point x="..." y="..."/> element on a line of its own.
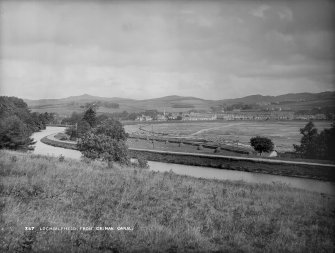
<point x="157" y="212"/>
<point x="298" y="101"/>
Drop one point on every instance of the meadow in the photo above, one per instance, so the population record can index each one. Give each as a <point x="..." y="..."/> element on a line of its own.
<point x="164" y="212"/>
<point x="283" y="133"/>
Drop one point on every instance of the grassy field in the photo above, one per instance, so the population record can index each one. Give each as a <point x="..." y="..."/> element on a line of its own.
<point x="283" y="133"/>
<point x="176" y="147"/>
<point x="164" y="212"/>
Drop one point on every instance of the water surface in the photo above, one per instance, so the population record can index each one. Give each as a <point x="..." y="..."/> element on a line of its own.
<point x="195" y="171"/>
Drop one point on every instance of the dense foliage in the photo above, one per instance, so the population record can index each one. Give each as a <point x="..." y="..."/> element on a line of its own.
<point x="18" y="123"/>
<point x="105" y="142"/>
<point x="73" y="119"/>
<point x="14" y="134"/>
<point x="316" y="145"/>
<point x="83" y="127"/>
<point x="90" y="117"/>
<point x="81" y="123"/>
<point x="261" y="144"/>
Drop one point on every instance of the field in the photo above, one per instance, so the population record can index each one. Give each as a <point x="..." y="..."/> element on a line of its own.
<point x="170" y="146"/>
<point x="162" y="212"/>
<point x="283" y="133"/>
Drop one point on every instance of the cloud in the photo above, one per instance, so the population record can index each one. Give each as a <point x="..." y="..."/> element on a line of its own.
<point x="146" y="49"/>
<point x="286" y="14"/>
<point x="260" y="11"/>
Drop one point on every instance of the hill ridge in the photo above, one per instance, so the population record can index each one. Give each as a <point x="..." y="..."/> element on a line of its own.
<point x="176" y="103"/>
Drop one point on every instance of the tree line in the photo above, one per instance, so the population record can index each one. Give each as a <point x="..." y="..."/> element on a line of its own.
<point x="17" y="123"/>
<point x="76" y="117"/>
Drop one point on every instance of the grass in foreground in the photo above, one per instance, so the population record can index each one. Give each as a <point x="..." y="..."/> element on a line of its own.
<point x="168" y="212"/>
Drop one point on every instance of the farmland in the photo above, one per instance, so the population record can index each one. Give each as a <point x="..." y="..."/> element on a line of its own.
<point x="283" y="133"/>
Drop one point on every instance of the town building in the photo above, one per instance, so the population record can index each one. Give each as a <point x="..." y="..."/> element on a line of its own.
<point x="144" y="118"/>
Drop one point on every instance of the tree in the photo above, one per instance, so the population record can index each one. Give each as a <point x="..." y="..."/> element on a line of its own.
<point x="10" y="106"/>
<point x="82" y="127"/>
<point x="327" y="139"/>
<point x="14" y="134"/>
<point x="18" y="123"/>
<point x="112" y="128"/>
<point x="308" y="146"/>
<point x="90" y="117"/>
<point x="314" y="145"/>
<point x="261" y="144"/>
<point x="106" y="142"/>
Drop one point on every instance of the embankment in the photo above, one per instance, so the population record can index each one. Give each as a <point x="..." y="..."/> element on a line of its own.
<point x="256" y="165"/>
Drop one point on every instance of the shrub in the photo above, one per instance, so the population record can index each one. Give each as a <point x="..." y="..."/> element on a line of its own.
<point x="61" y="158"/>
<point x="142" y="162"/>
<point x="200" y="147"/>
<point x="217" y="150"/>
<point x="14" y="159"/>
<point x="261" y="144"/>
<point x="100" y="146"/>
<point x="105" y="142"/>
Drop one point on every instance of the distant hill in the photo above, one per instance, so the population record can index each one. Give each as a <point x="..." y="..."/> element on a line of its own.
<point x="65" y="106"/>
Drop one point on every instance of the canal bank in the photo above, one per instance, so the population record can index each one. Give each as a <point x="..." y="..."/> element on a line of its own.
<point x="316" y="171"/>
<point x="196" y="171"/>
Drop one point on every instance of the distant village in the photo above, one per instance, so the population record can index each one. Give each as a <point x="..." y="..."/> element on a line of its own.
<point x="260" y="111"/>
<point x="232" y="115"/>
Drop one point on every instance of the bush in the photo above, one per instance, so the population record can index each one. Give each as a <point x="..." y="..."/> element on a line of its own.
<point x="61" y="158"/>
<point x="261" y="144"/>
<point x="142" y="162"/>
<point x="106" y="142"/>
<point x="200" y="147"/>
<point x="217" y="150"/>
<point x="100" y="146"/>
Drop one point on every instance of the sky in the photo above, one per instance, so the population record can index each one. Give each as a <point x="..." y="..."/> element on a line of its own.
<point x="148" y="49"/>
